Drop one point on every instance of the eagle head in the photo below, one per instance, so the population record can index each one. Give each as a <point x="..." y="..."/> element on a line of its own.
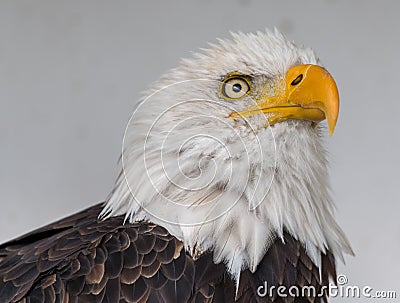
<point x="226" y="152"/>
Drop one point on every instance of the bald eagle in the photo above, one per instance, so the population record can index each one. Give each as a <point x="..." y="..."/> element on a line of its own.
<point x="223" y="189"/>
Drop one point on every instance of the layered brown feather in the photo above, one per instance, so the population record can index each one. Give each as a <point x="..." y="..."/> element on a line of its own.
<point x="84" y="259"/>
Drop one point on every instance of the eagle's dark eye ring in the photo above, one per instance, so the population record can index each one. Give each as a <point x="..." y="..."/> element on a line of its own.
<point x="235" y="87"/>
<point x="297" y="80"/>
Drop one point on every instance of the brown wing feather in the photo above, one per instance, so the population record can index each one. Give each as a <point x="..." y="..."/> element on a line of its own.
<point x="83" y="259"/>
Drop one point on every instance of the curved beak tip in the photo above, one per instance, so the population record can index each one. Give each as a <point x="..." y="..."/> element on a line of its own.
<point x="317" y="90"/>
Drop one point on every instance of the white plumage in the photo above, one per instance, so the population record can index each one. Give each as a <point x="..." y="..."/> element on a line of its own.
<point x="229" y="185"/>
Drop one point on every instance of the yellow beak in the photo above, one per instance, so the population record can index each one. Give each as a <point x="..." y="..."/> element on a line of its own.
<point x="310" y="93"/>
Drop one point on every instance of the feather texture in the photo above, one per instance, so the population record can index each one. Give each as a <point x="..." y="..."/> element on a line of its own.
<point x="83" y="259"/>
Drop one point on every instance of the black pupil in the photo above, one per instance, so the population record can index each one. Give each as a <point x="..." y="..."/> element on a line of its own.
<point x="236" y="87"/>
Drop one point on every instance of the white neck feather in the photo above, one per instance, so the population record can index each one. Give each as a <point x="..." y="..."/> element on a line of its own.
<point x="242" y="217"/>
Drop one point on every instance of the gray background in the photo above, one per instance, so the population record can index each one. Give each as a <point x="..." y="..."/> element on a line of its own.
<point x="70" y="72"/>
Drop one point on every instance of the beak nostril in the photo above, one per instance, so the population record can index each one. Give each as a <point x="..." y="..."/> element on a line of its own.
<point x="297" y="80"/>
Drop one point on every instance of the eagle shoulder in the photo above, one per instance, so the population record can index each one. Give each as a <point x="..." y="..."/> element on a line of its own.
<point x="83" y="259"/>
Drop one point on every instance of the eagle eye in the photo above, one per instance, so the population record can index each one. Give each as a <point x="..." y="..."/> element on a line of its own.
<point x="235" y="87"/>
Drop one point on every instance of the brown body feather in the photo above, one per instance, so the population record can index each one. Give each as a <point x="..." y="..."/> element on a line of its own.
<point x="83" y="259"/>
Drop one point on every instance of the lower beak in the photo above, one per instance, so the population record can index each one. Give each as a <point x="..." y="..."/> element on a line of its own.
<point x="310" y="94"/>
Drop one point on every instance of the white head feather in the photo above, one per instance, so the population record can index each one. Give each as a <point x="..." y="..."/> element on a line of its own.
<point x="223" y="185"/>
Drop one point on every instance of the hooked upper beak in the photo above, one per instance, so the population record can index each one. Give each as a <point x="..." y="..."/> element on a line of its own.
<point x="310" y="93"/>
